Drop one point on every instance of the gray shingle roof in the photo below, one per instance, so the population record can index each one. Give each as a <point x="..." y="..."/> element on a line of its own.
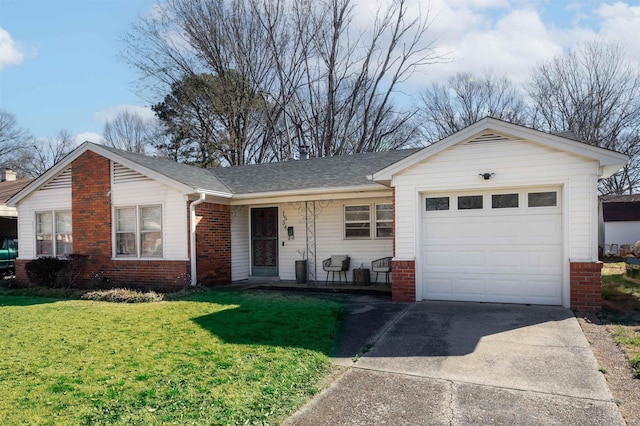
<point x="314" y="173"/>
<point x="195" y="177"/>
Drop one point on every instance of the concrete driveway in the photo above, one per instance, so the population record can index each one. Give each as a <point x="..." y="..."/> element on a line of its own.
<point x="452" y="363"/>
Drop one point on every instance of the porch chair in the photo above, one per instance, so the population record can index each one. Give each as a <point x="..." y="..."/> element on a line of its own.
<point x="382" y="265"/>
<point x="337" y="263"/>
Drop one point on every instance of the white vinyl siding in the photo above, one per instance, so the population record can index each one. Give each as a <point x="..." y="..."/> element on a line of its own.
<point x="54" y="199"/>
<point x="329" y="231"/>
<point x="240" y="241"/>
<point x="514" y="164"/>
<point x="142" y="192"/>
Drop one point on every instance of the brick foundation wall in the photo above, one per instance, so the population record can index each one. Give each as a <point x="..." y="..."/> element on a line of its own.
<point x="403" y="282"/>
<point x="213" y="244"/>
<point x="21" y="273"/>
<point x="586" y="286"/>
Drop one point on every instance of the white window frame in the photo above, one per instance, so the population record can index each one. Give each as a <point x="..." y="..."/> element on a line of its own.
<point x="54" y="232"/>
<point x="389" y="221"/>
<point x="372" y="221"/>
<point x="345" y="221"/>
<point x="138" y="233"/>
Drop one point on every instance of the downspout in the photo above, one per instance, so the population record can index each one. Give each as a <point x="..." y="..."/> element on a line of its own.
<point x="192" y="222"/>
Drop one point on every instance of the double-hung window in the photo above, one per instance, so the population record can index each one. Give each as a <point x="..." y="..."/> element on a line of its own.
<point x="138" y="231"/>
<point x="359" y="221"/>
<point x="384" y="220"/>
<point x="54" y="235"/>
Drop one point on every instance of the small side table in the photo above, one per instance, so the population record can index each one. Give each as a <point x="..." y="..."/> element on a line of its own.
<point x="361" y="276"/>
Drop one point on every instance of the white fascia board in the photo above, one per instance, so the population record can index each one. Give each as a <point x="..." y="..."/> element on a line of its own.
<point x="513" y="131"/>
<point x="361" y="191"/>
<point x="213" y="193"/>
<point x="604" y="156"/>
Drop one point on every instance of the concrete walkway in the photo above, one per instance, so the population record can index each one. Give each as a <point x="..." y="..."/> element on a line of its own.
<point x="450" y="363"/>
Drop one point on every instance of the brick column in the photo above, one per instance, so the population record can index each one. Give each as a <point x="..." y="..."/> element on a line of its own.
<point x="403" y="282"/>
<point x="586" y="286"/>
<point x="213" y="244"/>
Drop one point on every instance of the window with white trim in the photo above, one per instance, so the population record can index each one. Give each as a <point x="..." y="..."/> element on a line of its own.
<point x="384" y="220"/>
<point x="138" y="231"/>
<point x="359" y="220"/>
<point x="54" y="236"/>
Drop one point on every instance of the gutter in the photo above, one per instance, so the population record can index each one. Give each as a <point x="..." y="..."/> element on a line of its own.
<point x="192" y="248"/>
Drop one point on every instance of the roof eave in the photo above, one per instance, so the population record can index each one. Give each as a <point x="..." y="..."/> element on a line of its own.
<point x="306" y="191"/>
<point x="88" y="146"/>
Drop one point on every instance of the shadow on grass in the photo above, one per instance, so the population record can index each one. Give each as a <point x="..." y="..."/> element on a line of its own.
<point x="621" y="300"/>
<point x="274" y="321"/>
<point x="17" y="300"/>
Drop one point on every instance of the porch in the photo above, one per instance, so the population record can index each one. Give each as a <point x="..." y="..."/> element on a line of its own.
<point x="380" y="289"/>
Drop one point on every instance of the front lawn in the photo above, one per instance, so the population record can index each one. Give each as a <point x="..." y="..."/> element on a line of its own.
<point x="621" y="302"/>
<point x="215" y="358"/>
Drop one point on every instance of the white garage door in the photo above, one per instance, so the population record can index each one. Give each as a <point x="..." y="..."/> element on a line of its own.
<point x="493" y="246"/>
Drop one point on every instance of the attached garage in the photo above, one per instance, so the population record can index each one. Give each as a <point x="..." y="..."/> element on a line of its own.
<point x="493" y="246"/>
<point x="499" y="212"/>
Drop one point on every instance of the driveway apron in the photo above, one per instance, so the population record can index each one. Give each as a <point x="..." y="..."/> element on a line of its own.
<point x="455" y="363"/>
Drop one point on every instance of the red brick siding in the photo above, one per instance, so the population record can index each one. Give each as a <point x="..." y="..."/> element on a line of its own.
<point x="21" y="273"/>
<point x="91" y="207"/>
<point x="586" y="286"/>
<point x="403" y="287"/>
<point x="213" y="244"/>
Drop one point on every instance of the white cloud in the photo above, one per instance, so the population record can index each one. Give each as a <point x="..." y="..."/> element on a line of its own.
<point x="111" y="113"/>
<point x="88" y="136"/>
<point x="11" y="51"/>
<point x="621" y="22"/>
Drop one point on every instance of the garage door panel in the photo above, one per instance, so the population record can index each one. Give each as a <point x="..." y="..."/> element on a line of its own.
<point x="471" y="286"/>
<point x="498" y="255"/>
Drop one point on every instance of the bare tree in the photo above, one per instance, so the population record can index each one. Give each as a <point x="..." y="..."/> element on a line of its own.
<point x="593" y="92"/>
<point x="12" y="136"/>
<point x="344" y="102"/>
<point x="130" y="131"/>
<point x="36" y="156"/>
<point x="465" y="99"/>
<point x="292" y="73"/>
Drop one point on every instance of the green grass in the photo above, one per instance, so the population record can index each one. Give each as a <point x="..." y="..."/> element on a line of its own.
<point x="622" y="304"/>
<point x="215" y="358"/>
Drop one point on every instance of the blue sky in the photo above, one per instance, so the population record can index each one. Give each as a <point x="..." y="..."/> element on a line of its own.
<point x="59" y="65"/>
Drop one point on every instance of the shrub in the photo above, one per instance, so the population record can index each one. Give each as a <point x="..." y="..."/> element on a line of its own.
<point x="123" y="295"/>
<point x="44" y="271"/>
<point x="74" y="267"/>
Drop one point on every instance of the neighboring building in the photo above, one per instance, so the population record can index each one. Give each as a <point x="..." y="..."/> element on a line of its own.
<point x="621" y="220"/>
<point x="9" y="186"/>
<point x="496" y="212"/>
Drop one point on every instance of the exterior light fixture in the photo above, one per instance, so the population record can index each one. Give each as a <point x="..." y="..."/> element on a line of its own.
<point x="486" y="175"/>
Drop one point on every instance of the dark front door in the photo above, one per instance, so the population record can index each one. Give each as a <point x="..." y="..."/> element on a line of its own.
<point x="264" y="242"/>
